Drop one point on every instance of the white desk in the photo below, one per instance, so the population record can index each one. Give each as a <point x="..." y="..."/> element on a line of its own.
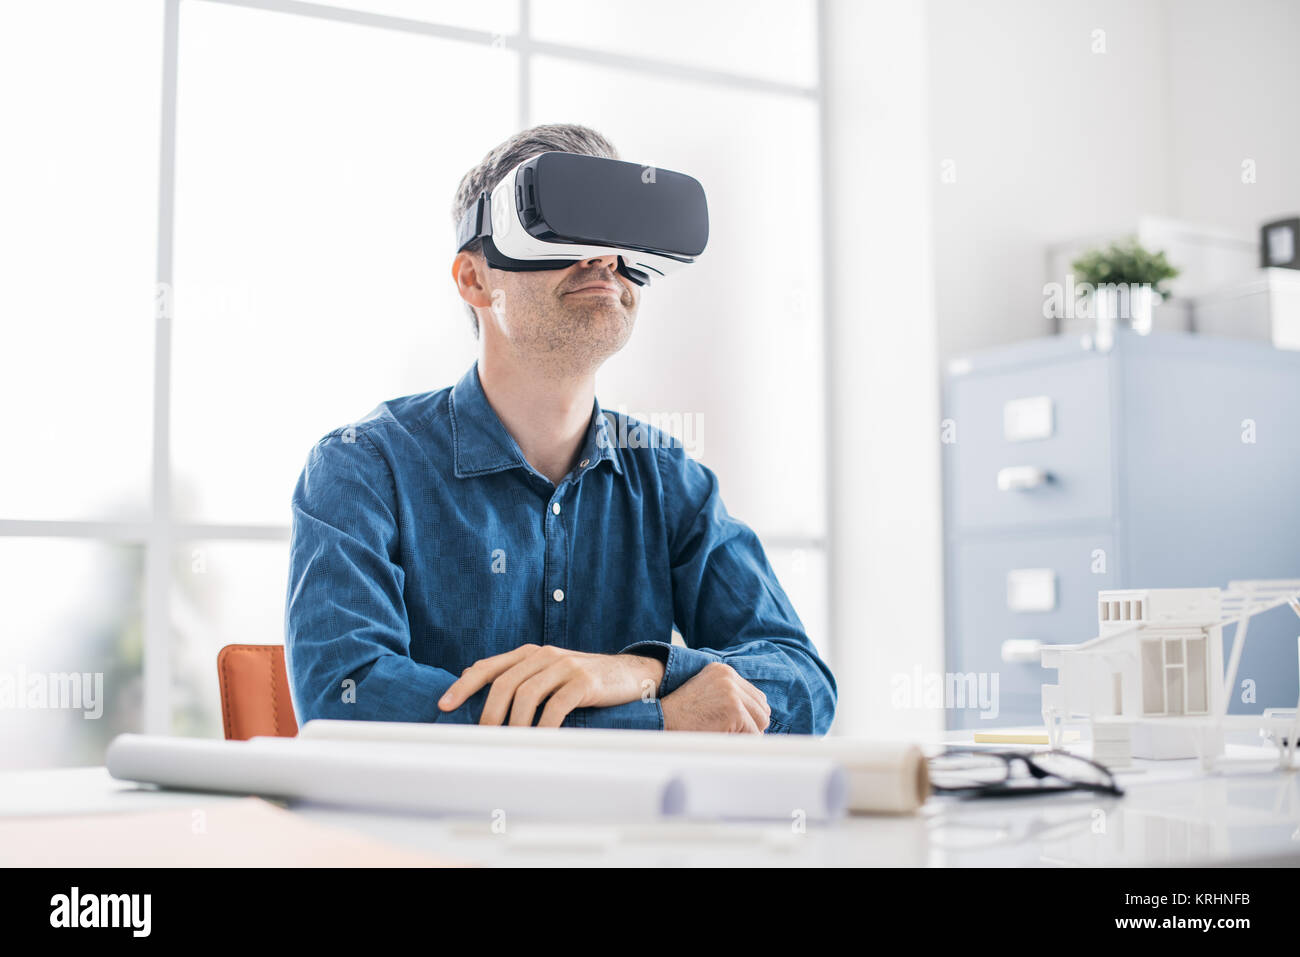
<point x="1172" y="814"/>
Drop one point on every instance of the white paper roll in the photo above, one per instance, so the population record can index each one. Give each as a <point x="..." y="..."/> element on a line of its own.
<point x="881" y="777"/>
<point x="714" y="786"/>
<point x="742" y="787"/>
<point x="421" y="779"/>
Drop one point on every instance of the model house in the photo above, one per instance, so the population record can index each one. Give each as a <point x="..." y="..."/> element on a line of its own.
<point x="1152" y="684"/>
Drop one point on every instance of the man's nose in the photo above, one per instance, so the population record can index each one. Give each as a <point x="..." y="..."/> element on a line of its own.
<point x="610" y="261"/>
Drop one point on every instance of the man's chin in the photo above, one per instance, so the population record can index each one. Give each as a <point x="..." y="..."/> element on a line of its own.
<point x="604" y="328"/>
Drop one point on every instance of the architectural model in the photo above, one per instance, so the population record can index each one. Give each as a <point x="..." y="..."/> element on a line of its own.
<point x="1152" y="683"/>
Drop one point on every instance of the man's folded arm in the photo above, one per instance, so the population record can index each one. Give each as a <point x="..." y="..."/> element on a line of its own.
<point x="347" y="635"/>
<point x="730" y="607"/>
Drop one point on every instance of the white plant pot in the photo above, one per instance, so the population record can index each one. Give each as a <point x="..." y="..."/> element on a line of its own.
<point x="1132" y="306"/>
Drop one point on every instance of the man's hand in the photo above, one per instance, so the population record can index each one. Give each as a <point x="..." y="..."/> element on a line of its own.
<point x="716" y="699"/>
<point x="522" y="679"/>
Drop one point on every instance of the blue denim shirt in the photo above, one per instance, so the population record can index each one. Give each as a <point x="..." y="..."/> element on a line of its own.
<point x="423" y="541"/>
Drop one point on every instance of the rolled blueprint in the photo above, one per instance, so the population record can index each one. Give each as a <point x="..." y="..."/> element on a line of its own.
<point x="881" y="777"/>
<point x="424" y="778"/>
<point x="713" y="786"/>
<point x="744" y="787"/>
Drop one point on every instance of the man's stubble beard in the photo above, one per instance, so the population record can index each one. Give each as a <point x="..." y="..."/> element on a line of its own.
<point x="575" y="335"/>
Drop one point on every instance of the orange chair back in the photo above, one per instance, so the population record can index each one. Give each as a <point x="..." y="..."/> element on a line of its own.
<point x="255" y="692"/>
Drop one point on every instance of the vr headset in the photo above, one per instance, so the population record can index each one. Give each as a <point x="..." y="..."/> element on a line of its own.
<point x="557" y="209"/>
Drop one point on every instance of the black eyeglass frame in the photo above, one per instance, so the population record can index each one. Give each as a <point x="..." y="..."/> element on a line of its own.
<point x="1004" y="789"/>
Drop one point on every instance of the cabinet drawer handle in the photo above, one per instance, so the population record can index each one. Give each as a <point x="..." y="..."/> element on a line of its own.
<point x="1018" y="478"/>
<point x="1017" y="651"/>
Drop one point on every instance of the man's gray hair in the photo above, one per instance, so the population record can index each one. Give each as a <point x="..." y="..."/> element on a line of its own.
<point x="565" y="137"/>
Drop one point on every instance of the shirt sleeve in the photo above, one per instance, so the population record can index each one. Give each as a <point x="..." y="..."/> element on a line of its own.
<point x="639" y="715"/>
<point x="729" y="606"/>
<point x="347" y="636"/>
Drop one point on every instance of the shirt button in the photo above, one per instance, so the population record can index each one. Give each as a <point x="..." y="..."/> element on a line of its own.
<point x="555" y="508"/>
<point x="583" y="463"/>
<point x="558" y="594"/>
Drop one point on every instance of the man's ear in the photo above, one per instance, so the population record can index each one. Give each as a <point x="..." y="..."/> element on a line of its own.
<point x="470" y="273"/>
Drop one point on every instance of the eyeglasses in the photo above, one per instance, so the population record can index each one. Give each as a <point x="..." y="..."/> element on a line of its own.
<point x="974" y="773"/>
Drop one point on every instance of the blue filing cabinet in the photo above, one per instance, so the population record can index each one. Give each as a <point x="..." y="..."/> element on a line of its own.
<point x="1169" y="460"/>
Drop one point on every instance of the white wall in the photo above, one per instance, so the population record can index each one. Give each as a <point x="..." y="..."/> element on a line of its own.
<point x="1047" y="139"/>
<point x="1050" y="140"/>
<point x="885" y="566"/>
<point x="1234" y="76"/>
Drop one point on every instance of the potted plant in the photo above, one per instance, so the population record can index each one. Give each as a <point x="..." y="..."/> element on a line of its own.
<point x="1122" y="283"/>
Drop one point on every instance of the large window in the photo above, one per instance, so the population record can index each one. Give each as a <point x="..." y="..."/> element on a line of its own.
<point x="227" y="231"/>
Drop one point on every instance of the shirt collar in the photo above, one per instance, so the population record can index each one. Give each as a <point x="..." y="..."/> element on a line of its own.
<point x="481" y="444"/>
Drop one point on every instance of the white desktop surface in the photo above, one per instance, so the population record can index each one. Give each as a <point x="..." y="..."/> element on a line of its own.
<point x="1172" y="814"/>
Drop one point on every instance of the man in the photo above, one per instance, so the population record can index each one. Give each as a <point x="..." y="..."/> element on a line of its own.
<point x="490" y="554"/>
